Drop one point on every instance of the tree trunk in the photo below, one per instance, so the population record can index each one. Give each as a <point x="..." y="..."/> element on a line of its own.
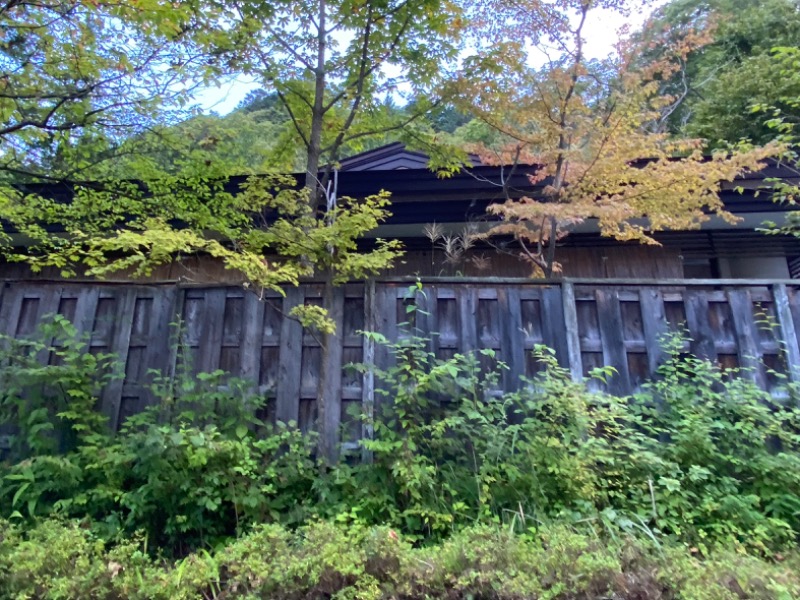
<point x="313" y="157"/>
<point x="330" y="376"/>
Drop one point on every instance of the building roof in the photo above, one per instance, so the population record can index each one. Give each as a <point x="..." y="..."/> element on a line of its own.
<point x="391" y="157"/>
<point x="420" y="196"/>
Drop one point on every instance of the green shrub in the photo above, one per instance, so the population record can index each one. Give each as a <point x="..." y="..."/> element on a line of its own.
<point x="49" y="389"/>
<point x="64" y="560"/>
<point x="698" y="457"/>
<point x="190" y="471"/>
<point x="728" y="465"/>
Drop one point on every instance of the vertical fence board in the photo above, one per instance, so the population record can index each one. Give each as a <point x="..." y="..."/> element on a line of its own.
<point x="111" y="399"/>
<point x="746" y="334"/>
<point x="386" y="324"/>
<point x="11" y="309"/>
<point x="368" y="381"/>
<point x="654" y="325"/>
<point x="788" y="328"/>
<point x="467" y="298"/>
<point x="330" y="413"/>
<point x="553" y="325"/>
<point x="86" y="310"/>
<point x="572" y="332"/>
<point x="428" y="318"/>
<point x="252" y="338"/>
<point x="211" y="331"/>
<point x="287" y="402"/>
<point x="702" y="345"/>
<point x="161" y="352"/>
<point x="49" y="301"/>
<point x="609" y="317"/>
<point x="512" y="339"/>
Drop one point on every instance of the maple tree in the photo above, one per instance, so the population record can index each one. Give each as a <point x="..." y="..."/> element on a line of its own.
<point x="590" y="133"/>
<point x="332" y="64"/>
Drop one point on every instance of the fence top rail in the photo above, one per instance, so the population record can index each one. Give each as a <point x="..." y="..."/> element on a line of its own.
<point x="447" y="280"/>
<point x="603" y="281"/>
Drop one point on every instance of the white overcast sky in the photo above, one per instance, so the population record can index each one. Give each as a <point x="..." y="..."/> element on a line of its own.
<point x="601" y="34"/>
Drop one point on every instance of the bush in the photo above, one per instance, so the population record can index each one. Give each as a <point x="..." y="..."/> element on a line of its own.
<point x="698" y="457"/>
<point x="49" y="389"/>
<point x="322" y="560"/>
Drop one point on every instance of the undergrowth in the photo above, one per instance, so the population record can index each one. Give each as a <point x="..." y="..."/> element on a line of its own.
<point x="699" y="466"/>
<point x="323" y="560"/>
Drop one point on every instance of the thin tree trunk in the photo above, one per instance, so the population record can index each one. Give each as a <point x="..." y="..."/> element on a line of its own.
<point x="317" y="113"/>
<point x="329" y="384"/>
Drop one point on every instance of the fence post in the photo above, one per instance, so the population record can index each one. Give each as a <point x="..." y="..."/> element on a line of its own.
<point x="788" y="331"/>
<point x="287" y="394"/>
<point x="368" y="381"/>
<point x="571" y="331"/>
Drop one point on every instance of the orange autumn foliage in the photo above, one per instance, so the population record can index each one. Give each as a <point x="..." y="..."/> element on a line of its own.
<point x="588" y="133"/>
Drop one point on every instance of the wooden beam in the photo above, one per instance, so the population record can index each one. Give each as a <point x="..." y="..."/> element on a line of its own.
<point x="788" y="328"/>
<point x="572" y="332"/>
<point x="368" y="379"/>
<point x="287" y="401"/>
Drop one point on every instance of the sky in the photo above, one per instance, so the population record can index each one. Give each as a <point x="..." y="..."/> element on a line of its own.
<point x="601" y="34"/>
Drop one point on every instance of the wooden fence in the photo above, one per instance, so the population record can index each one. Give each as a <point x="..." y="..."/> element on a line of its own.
<point x="588" y="323"/>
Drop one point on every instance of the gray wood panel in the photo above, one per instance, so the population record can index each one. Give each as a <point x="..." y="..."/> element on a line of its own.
<point x="587" y="323"/>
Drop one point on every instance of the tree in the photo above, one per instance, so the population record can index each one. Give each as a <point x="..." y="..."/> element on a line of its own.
<point x="717" y="83"/>
<point x="334" y="65"/>
<point x="79" y="76"/>
<point x="589" y="133"/>
<point x="782" y="117"/>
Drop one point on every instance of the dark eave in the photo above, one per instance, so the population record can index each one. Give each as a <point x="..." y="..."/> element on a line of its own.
<point x="420" y="196"/>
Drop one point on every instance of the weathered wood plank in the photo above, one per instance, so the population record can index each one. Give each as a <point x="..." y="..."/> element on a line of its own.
<point x="287" y="401"/>
<point x="702" y="344"/>
<point x="111" y="398"/>
<point x="252" y="338"/>
<point x="654" y="326"/>
<point x="86" y="310"/>
<point x="572" y="331"/>
<point x="11" y="308"/>
<point x="512" y="340"/>
<point x="49" y="302"/>
<point x="428" y="317"/>
<point x="211" y="331"/>
<point x="788" y="328"/>
<point x="368" y="378"/>
<point x="553" y="325"/>
<point x="611" y="328"/>
<point x="329" y="398"/>
<point x="745" y="327"/>
<point x="161" y="351"/>
<point x="386" y="300"/>
<point x="467" y="299"/>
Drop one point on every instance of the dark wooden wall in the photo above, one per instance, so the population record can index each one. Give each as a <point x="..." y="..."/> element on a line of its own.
<point x="589" y="323"/>
<point x="631" y="260"/>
